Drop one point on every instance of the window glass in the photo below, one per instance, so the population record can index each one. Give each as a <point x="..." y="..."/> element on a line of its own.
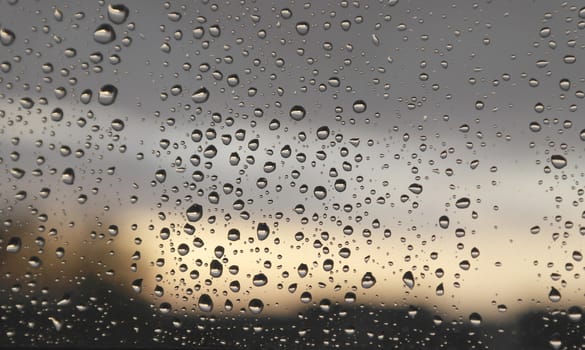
<point x="306" y="174"/>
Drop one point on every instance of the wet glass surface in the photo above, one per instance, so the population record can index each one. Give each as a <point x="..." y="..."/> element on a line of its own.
<point x="274" y="174"/>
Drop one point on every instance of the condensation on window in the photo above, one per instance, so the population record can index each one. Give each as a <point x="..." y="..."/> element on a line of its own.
<point x="284" y="174"/>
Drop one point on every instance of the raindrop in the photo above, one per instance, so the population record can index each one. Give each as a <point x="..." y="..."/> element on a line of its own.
<point x="6" y="36"/>
<point x="565" y="84"/>
<point x="554" y="295"/>
<point x="575" y="313"/>
<point x="117" y="125"/>
<point x="68" y="176"/>
<point x="137" y="285"/>
<point x="558" y="161"/>
<point x="194" y="213"/>
<point x="118" y="13"/>
<point x="256" y="306"/>
<point x="302" y="28"/>
<point x="462" y="203"/>
<point x="107" y="95"/>
<point x="444" y="222"/>
<point x="215" y="268"/>
<point x="14" y="245"/>
<point x="408" y="279"/>
<point x="297" y="112"/>
<point x="368" y="280"/>
<point x="205" y="303"/>
<point x="475" y="319"/>
<point x="104" y="34"/>
<point x="260" y="280"/>
<point x="415" y="188"/>
<point x="233" y="80"/>
<point x="320" y="192"/>
<point x="200" y="96"/>
<point x="262" y="231"/>
<point x="359" y="106"/>
<point x="183" y="249"/>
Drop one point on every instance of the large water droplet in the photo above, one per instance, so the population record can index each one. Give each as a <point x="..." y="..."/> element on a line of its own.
<point x="260" y="280"/>
<point x="262" y="231"/>
<point x="107" y="95"/>
<point x="117" y="13"/>
<point x="14" y="245"/>
<point x="297" y="112"/>
<point x="554" y="295"/>
<point x="368" y="280"/>
<point x="68" y="176"/>
<point x="558" y="161"/>
<point x="359" y="106"/>
<point x="194" y="213"/>
<point x="408" y="279"/>
<point x="302" y="28"/>
<point x="444" y="222"/>
<point x="104" y="34"/>
<point x="205" y="303"/>
<point x="320" y="192"/>
<point x="256" y="306"/>
<point x="200" y="96"/>
<point x="6" y="36"/>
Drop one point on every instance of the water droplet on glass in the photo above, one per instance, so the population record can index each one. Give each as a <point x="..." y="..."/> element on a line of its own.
<point x="297" y="112"/>
<point x="256" y="306"/>
<point x="200" y="96"/>
<point x="6" y="36"/>
<point x="117" y="13"/>
<point x="262" y="231"/>
<point x="183" y="249"/>
<point x="444" y="222"/>
<point x="462" y="203"/>
<point x="107" y="95"/>
<point x="565" y="84"/>
<point x="558" y="161"/>
<point x="205" y="303"/>
<point x="408" y="279"/>
<point x="68" y="176"/>
<point x="302" y="28"/>
<point x="14" y="245"/>
<point x="320" y="192"/>
<point x="475" y="319"/>
<point x="368" y="280"/>
<point x="194" y="213"/>
<point x="359" y="106"/>
<point x="260" y="280"/>
<point x="137" y="285"/>
<point x="554" y="295"/>
<point x="104" y="34"/>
